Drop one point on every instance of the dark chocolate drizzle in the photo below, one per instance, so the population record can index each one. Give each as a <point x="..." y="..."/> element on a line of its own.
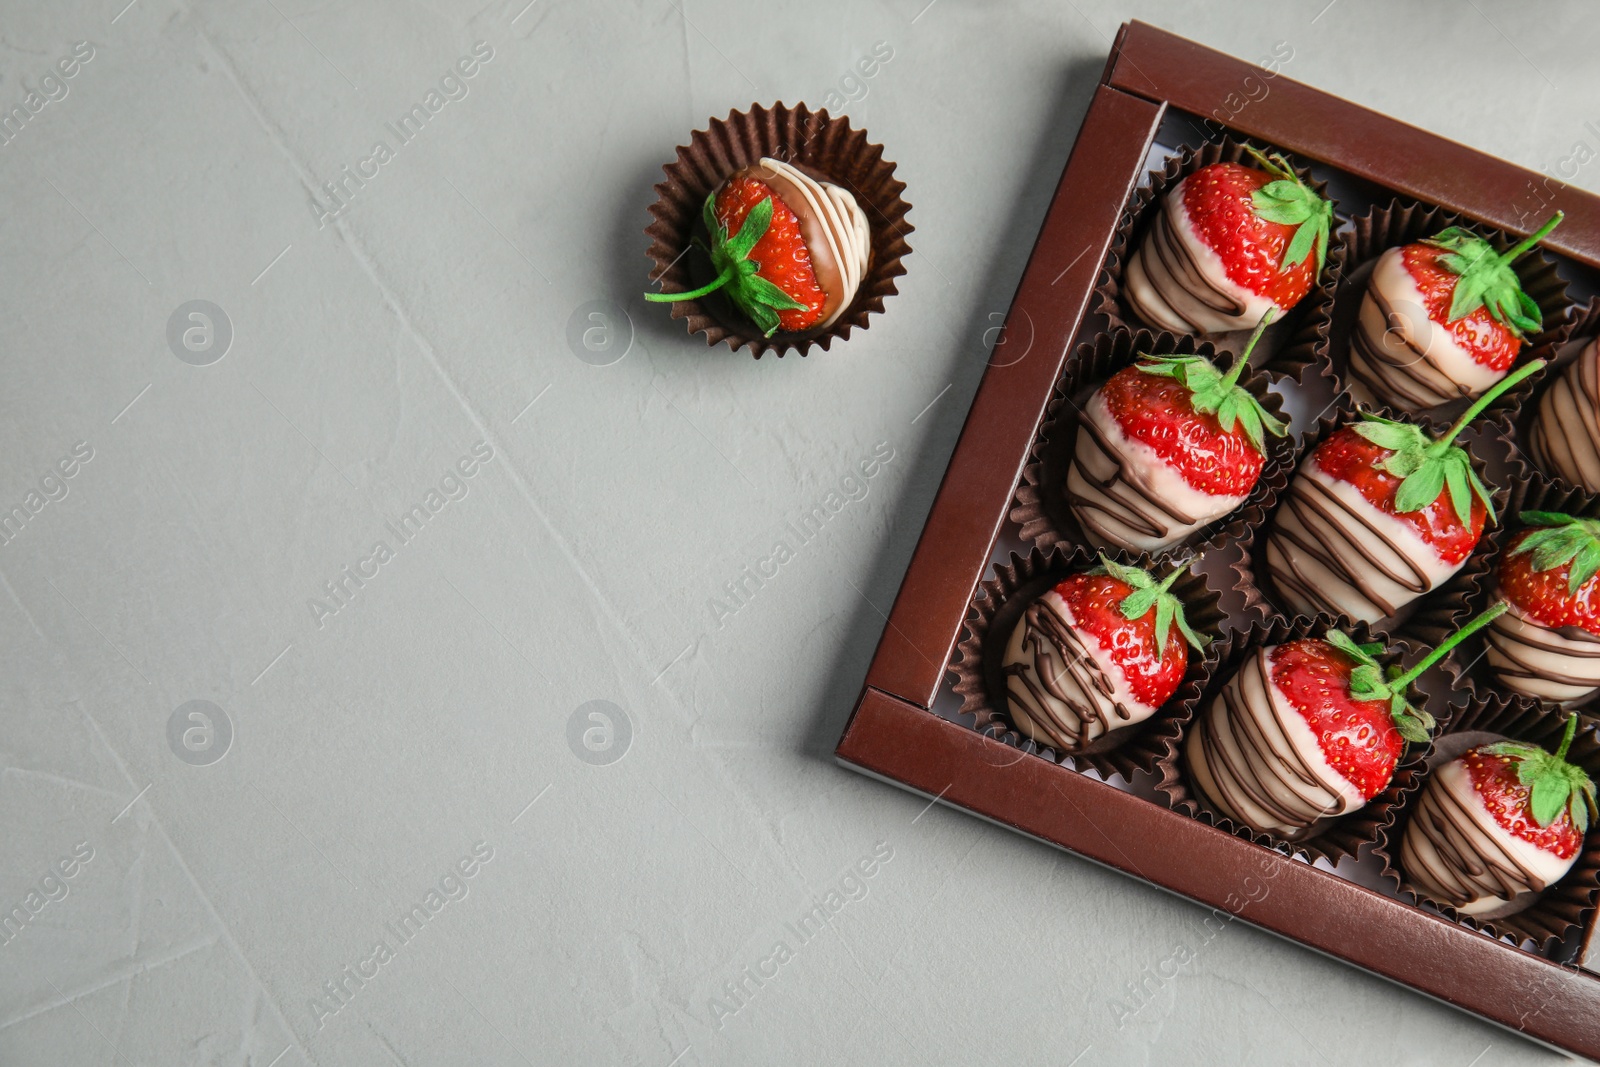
<point x="1102" y="502"/>
<point x="1266" y="769"/>
<point x="1517" y="643"/>
<point x="1058" y="686"/>
<point x="1469" y="859"/>
<point x="1400" y="385"/>
<point x="1175" y="276"/>
<point x="1565" y="437"/>
<point x="1314" y="523"/>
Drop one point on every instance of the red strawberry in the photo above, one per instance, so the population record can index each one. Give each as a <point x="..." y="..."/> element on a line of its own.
<point x="1229" y="244"/>
<point x="1548" y="573"/>
<point x="1548" y="645"/>
<point x="1265" y="224"/>
<point x="1309" y="730"/>
<point x="1352" y="455"/>
<point x="1358" y="738"/>
<point x="1100" y="651"/>
<point x="1379" y="514"/>
<point x="1496" y="824"/>
<point x="1206" y="434"/>
<point x="1442" y="319"/>
<point x="789" y="249"/>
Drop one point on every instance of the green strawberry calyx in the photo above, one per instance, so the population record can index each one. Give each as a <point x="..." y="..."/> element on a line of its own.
<point x="1149" y="594"/>
<point x="1427" y="466"/>
<point x="736" y="276"/>
<point x="1486" y="279"/>
<point x="1370" y="680"/>
<point x="1215" y="393"/>
<point x="1557" y="539"/>
<point x="1554" y="784"/>
<point x="1288" y="200"/>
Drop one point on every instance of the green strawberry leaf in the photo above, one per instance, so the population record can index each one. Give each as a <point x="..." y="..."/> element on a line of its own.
<point x="1486" y="278"/>
<point x="737" y="274"/>
<point x="1149" y="594"/>
<point x="1421" y="487"/>
<point x="1555" y="786"/>
<point x="1555" y="539"/>
<point x="1213" y="393"/>
<point x="1290" y="202"/>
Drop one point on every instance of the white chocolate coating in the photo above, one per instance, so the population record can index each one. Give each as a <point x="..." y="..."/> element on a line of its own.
<point x="1063" y="688"/>
<point x="1126" y="495"/>
<point x="1565" y="438"/>
<point x="1256" y="760"/>
<point x="1403" y="357"/>
<point x="1175" y="281"/>
<point x="845" y="238"/>
<point x="1330" y="549"/>
<point x="1558" y="665"/>
<point x="1456" y="852"/>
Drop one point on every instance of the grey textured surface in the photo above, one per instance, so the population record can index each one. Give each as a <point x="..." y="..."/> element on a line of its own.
<point x="376" y="743"/>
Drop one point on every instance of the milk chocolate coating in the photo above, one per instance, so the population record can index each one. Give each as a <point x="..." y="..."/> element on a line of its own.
<point x="1555" y="664"/>
<point x="1258" y="766"/>
<point x="1565" y="438"/>
<point x="1328" y="550"/>
<point x="1172" y="286"/>
<point x="1058" y="693"/>
<point x="833" y="226"/>
<point x="1455" y="852"/>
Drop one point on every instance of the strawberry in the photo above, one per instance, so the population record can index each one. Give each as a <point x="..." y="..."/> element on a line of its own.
<point x="1230" y="243"/>
<point x="1548" y="644"/>
<point x="1165" y="447"/>
<point x="797" y="253"/>
<point x="1102" y="650"/>
<point x="1442" y="319"/>
<point x="1309" y="730"/>
<point x="1379" y="514"/>
<point x="1497" y="825"/>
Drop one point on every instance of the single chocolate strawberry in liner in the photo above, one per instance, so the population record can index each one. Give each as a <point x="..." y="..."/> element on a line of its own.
<point x="1497" y="826"/>
<point x="1547" y="645"/>
<point x="1166" y="447"/>
<point x="1100" y="651"/>
<point x="1228" y="245"/>
<point x="1379" y="514"/>
<point x="1308" y="731"/>
<point x="790" y="249"/>
<point x="1442" y="319"/>
<point x="1565" y="436"/>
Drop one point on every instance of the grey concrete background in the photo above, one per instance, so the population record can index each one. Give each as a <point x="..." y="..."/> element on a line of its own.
<point x="439" y="713"/>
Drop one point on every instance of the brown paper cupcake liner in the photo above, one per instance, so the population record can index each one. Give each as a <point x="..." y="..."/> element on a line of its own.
<point x="1565" y="906"/>
<point x="1476" y="592"/>
<point x="806" y="138"/>
<point x="1444" y="605"/>
<point x="1041" y="509"/>
<point x="1585" y="320"/>
<point x="996" y="607"/>
<point x="1296" y="345"/>
<point x="1334" y="839"/>
<point x="1404" y="222"/>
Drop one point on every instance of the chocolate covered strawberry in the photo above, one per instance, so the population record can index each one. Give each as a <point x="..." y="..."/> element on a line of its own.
<point x="1565" y="437"/>
<point x="1379" y="514"/>
<point x="1102" y="650"/>
<point x="1165" y="447"/>
<point x="1442" y="319"/>
<point x="1308" y="730"/>
<point x="1229" y="244"/>
<point x="1498" y="825"/>
<point x="1548" y="644"/>
<point x="790" y="249"/>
